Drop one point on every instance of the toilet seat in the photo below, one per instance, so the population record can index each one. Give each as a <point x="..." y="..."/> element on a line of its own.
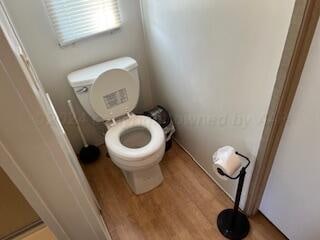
<point x="131" y="155"/>
<point x="114" y="94"/>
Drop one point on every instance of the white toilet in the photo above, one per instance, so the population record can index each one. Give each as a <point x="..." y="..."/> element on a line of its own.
<point x="136" y="144"/>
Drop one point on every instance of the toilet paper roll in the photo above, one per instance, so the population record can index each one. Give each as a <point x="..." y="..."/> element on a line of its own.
<point x="227" y="160"/>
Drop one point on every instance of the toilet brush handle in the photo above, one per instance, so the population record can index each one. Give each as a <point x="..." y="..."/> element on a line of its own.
<point x="77" y="123"/>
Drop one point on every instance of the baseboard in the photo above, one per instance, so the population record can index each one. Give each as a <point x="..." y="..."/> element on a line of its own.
<point x="25" y="231"/>
<point x="203" y="169"/>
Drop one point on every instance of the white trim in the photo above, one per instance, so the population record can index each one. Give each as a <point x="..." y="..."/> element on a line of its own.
<point x="203" y="169"/>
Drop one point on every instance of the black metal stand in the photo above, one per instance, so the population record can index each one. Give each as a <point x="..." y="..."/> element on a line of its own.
<point x="232" y="223"/>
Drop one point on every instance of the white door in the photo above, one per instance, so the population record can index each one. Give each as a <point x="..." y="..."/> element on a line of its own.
<point x="65" y="143"/>
<point x="45" y="102"/>
<point x="291" y="199"/>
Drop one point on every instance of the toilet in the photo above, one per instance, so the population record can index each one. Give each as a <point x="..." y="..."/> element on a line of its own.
<point x="109" y="92"/>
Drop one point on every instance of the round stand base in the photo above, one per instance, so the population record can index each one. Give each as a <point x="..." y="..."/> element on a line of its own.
<point x="240" y="227"/>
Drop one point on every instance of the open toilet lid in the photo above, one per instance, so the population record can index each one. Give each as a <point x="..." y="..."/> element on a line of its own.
<point x="114" y="93"/>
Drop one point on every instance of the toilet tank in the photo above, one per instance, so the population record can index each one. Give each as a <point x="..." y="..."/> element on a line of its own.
<point x="82" y="80"/>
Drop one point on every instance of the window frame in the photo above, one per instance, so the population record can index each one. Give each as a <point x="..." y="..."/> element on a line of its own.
<point x="63" y="44"/>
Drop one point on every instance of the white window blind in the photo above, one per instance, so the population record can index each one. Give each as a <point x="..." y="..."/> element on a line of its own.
<point x="73" y="20"/>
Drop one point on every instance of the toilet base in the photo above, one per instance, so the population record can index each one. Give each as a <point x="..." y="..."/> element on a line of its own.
<point x="144" y="180"/>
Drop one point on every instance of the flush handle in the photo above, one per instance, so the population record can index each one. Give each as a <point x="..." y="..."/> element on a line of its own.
<point x="82" y="90"/>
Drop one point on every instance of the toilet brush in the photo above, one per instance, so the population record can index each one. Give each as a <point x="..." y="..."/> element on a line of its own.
<point x="88" y="153"/>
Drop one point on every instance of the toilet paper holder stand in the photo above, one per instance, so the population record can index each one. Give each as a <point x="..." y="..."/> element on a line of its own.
<point x="232" y="223"/>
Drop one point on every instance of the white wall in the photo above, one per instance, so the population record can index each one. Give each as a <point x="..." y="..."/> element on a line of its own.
<point x="291" y="198"/>
<point x="215" y="64"/>
<point x="53" y="63"/>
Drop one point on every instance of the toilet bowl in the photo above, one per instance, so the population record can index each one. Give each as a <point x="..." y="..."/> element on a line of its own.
<point x="136" y="144"/>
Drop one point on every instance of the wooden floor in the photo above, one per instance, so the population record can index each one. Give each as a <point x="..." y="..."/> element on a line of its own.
<point x="183" y="207"/>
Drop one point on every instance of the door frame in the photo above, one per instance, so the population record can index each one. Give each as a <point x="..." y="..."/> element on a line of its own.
<point x="302" y="27"/>
<point x="34" y="152"/>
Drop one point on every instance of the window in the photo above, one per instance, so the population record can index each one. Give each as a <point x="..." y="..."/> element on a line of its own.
<point x="73" y="20"/>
